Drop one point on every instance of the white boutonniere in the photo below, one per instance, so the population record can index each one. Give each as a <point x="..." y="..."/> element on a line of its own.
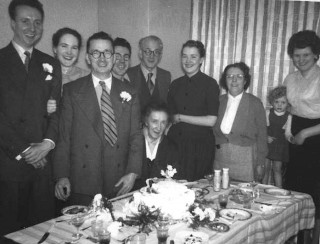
<point x="125" y="96"/>
<point x="48" y="69"/>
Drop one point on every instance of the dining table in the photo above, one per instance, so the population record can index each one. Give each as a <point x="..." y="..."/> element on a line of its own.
<point x="271" y="219"/>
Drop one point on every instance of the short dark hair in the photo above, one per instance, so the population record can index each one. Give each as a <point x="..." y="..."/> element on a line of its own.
<point x="155" y="107"/>
<point x="197" y="44"/>
<point x="122" y="43"/>
<point x="99" y="36"/>
<point x="280" y="91"/>
<point x="243" y="67"/>
<point x="152" y="38"/>
<point x="63" y="31"/>
<point x="31" y="3"/>
<point x="303" y="39"/>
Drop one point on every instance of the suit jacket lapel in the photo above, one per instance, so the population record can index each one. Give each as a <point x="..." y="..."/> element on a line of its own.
<point x="116" y="99"/>
<point x="88" y="101"/>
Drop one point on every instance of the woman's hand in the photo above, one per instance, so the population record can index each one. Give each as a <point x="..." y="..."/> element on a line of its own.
<point x="176" y="119"/>
<point x="271" y="139"/>
<point x="299" y="138"/>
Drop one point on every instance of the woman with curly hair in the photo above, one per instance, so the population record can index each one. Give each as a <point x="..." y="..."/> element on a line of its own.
<point x="303" y="92"/>
<point x="241" y="130"/>
<point x="278" y="122"/>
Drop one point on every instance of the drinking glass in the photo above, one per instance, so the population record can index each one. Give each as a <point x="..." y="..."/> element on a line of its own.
<point x="162" y="234"/>
<point x="77" y="220"/>
<point x="163" y="220"/>
<point x="96" y="226"/>
<point x="104" y="236"/>
<point x="223" y="200"/>
<point x="139" y="238"/>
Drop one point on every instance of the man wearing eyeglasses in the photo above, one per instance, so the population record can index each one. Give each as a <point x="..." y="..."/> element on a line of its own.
<point x="100" y="144"/>
<point x="122" y="53"/>
<point x="151" y="82"/>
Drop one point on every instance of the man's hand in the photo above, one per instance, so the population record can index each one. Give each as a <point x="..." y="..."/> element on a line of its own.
<point x="63" y="189"/>
<point x="299" y="138"/>
<point x="40" y="164"/>
<point x="37" y="151"/>
<point x="51" y="106"/>
<point x="127" y="182"/>
<point x="271" y="139"/>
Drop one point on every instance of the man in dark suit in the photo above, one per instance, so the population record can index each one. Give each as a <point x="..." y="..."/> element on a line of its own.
<point x="28" y="79"/>
<point x="94" y="155"/>
<point x="122" y="53"/>
<point x="151" y="82"/>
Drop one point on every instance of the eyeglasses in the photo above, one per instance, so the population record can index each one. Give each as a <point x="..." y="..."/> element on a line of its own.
<point x="156" y="52"/>
<point x="126" y="57"/>
<point x="97" y="54"/>
<point x="238" y="76"/>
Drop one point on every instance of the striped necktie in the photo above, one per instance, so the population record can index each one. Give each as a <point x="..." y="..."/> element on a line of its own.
<point x="150" y="83"/>
<point x="109" y="122"/>
<point x="27" y="60"/>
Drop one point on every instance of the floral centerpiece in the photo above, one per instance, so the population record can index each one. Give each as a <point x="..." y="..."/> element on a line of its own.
<point x="200" y="216"/>
<point x="169" y="173"/>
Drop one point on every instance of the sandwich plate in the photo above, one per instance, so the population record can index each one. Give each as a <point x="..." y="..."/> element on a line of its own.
<point x="191" y="237"/>
<point x="235" y="214"/>
<point x="73" y="210"/>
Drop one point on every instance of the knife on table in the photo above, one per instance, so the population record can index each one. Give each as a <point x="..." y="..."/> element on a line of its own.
<point x="45" y="235"/>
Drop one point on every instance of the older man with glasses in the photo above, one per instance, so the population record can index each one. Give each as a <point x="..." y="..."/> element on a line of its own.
<point x="151" y="82"/>
<point x="100" y="145"/>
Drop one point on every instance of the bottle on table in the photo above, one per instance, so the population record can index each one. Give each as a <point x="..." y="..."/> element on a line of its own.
<point x="225" y="178"/>
<point x="217" y="180"/>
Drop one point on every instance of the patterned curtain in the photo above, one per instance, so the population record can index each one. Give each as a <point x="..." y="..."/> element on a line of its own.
<point x="253" y="31"/>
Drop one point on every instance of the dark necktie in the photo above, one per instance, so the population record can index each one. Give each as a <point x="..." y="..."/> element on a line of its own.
<point x="27" y="60"/>
<point x="150" y="83"/>
<point x="109" y="122"/>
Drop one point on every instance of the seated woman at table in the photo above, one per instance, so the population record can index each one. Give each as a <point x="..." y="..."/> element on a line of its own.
<point x="66" y="45"/>
<point x="159" y="150"/>
<point x="241" y="130"/>
<point x="303" y="92"/>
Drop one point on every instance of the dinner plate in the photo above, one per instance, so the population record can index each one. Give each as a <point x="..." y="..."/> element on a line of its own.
<point x="277" y="192"/>
<point x="200" y="192"/>
<point x="244" y="185"/>
<point x="182" y="236"/>
<point x="219" y="227"/>
<point x="235" y="214"/>
<point x="73" y="210"/>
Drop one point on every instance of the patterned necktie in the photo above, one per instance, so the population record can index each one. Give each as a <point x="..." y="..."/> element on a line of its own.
<point x="109" y="122"/>
<point x="27" y="60"/>
<point x="150" y="83"/>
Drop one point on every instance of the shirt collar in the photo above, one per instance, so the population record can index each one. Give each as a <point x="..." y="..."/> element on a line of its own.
<point x="236" y="98"/>
<point x="96" y="81"/>
<point x="21" y="50"/>
<point x="146" y="72"/>
<point x="279" y="113"/>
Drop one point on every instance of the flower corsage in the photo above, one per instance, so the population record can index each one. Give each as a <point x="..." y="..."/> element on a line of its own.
<point x="48" y="69"/>
<point x="125" y="96"/>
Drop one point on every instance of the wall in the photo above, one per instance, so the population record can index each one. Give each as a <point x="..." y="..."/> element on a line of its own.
<point x="133" y="19"/>
<point x="78" y="14"/>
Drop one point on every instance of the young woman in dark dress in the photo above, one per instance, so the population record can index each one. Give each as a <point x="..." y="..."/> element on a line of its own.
<point x="193" y="99"/>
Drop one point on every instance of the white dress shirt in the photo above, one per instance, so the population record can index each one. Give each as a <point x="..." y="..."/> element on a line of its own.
<point x="230" y="113"/>
<point x="98" y="87"/>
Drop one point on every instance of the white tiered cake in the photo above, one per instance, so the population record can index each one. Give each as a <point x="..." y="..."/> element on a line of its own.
<point x="170" y="197"/>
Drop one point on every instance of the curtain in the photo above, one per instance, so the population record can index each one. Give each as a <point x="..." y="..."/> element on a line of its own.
<point x="253" y="31"/>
